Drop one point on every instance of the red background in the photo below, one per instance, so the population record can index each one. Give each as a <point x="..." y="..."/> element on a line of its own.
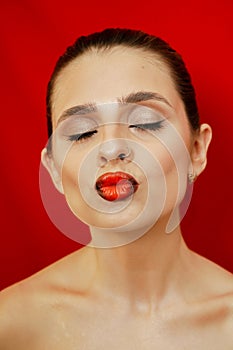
<point x="34" y="34"/>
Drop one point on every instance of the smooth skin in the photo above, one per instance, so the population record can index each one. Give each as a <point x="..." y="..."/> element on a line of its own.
<point x="154" y="293"/>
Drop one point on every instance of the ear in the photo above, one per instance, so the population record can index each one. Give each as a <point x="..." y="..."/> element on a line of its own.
<point x="48" y="162"/>
<point x="200" y="147"/>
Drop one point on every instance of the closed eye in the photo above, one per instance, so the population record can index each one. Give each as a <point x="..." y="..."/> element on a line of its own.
<point x="81" y="136"/>
<point x="148" y="126"/>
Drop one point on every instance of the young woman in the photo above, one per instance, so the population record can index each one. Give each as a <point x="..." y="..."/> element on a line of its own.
<point x="125" y="147"/>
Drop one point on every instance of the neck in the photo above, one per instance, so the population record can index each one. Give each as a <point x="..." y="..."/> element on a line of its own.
<point x="150" y="269"/>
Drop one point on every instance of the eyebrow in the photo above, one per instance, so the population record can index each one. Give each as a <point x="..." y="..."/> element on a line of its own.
<point x="141" y="96"/>
<point x="78" y="110"/>
<point x="134" y="97"/>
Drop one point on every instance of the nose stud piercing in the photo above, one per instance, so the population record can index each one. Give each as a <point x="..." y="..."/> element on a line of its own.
<point x="122" y="155"/>
<point x="104" y="159"/>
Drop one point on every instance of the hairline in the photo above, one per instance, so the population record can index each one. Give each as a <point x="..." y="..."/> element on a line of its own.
<point x="152" y="57"/>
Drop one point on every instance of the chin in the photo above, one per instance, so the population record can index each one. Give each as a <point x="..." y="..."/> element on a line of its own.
<point x="109" y="220"/>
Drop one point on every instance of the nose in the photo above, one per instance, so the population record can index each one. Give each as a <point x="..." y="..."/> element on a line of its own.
<point x="113" y="149"/>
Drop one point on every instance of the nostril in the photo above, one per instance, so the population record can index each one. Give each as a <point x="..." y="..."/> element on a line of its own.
<point x="103" y="161"/>
<point x="113" y="150"/>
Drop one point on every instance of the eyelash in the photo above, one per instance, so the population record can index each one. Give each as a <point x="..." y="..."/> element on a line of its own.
<point x="148" y="126"/>
<point x="83" y="136"/>
<point x="142" y="127"/>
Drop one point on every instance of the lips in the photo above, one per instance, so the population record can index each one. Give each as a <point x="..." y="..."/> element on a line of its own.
<point x="115" y="186"/>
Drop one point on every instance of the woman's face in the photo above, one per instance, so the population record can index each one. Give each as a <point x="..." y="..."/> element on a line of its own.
<point x="117" y="118"/>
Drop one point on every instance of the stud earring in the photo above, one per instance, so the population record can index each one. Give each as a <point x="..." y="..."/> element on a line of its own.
<point x="192" y="177"/>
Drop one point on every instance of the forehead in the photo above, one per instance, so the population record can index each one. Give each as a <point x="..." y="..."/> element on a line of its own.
<point x="100" y="77"/>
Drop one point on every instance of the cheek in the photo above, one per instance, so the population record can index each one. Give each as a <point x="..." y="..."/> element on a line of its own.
<point x="70" y="171"/>
<point x="164" y="157"/>
<point x="72" y="190"/>
<point x="166" y="160"/>
<point x="173" y="155"/>
<point x="169" y="169"/>
<point x="174" y="147"/>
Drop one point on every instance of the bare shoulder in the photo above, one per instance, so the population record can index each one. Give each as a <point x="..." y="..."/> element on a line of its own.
<point x="216" y="291"/>
<point x="218" y="280"/>
<point x="18" y="305"/>
<point x="28" y="308"/>
<point x="15" y="306"/>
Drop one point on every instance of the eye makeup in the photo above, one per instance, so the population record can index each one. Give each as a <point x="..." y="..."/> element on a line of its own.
<point x="83" y="136"/>
<point x="138" y="118"/>
<point x="77" y="128"/>
<point x="149" y="126"/>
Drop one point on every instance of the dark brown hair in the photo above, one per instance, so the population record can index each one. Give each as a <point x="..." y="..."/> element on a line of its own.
<point x="113" y="37"/>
